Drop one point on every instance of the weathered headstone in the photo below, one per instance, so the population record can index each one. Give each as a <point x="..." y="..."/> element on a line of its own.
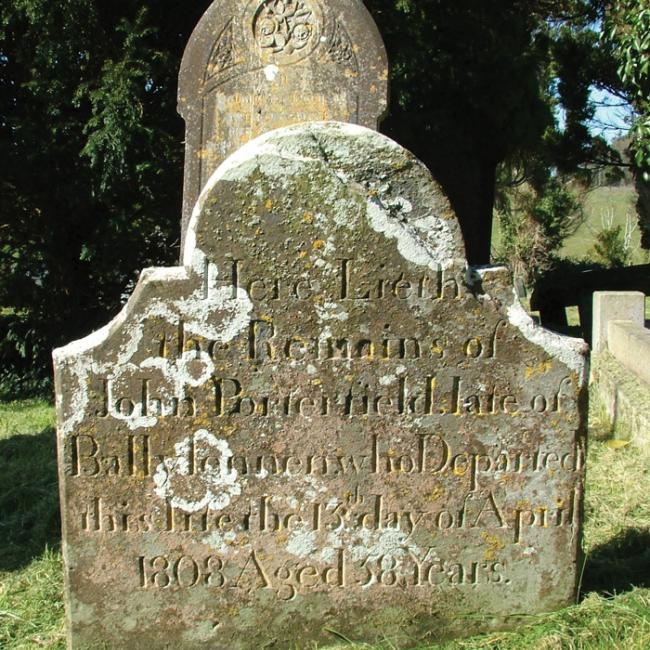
<point x="323" y="422"/>
<point x="256" y="65"/>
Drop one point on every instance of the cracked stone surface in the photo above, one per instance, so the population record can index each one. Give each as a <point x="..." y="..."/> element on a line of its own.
<point x="324" y="420"/>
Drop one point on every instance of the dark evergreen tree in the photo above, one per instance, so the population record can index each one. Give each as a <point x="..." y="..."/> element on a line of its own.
<point x="92" y="146"/>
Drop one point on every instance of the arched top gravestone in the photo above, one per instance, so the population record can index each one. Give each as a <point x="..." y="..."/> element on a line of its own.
<point x="323" y="421"/>
<point x="256" y="65"/>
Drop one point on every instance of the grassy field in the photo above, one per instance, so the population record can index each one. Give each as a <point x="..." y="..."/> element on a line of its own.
<point x="603" y="207"/>
<point x="606" y="206"/>
<point x="613" y="612"/>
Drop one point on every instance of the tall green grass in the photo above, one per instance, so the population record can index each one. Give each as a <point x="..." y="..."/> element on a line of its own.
<point x="613" y="613"/>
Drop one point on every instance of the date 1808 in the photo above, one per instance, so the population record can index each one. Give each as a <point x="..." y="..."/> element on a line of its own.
<point x="402" y="569"/>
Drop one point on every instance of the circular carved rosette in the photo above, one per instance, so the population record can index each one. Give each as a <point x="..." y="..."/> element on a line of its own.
<point x="286" y="31"/>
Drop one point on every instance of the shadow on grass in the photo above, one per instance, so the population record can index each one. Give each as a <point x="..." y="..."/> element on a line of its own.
<point x="620" y="564"/>
<point x="29" y="498"/>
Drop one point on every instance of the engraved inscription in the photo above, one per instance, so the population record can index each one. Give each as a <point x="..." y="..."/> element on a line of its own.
<point x="403" y="568"/>
<point x="428" y="396"/>
<point x="438" y="394"/>
<point x="421" y="455"/>
<point x="352" y="513"/>
<point x="400" y="285"/>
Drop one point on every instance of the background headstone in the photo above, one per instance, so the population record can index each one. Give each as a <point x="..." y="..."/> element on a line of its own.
<point x="323" y="422"/>
<point x="256" y="65"/>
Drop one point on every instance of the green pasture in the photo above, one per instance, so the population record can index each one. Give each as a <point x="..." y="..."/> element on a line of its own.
<point x="606" y="207"/>
<point x="613" y="610"/>
<point x="603" y="207"/>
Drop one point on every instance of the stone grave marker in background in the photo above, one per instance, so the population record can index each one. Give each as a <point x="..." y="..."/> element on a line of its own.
<point x="255" y="65"/>
<point x="324" y="421"/>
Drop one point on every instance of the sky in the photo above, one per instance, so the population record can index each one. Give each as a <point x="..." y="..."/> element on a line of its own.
<point x="612" y="118"/>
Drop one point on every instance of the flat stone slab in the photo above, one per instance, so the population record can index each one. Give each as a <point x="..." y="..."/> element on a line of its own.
<point x="323" y="423"/>
<point x="256" y="65"/>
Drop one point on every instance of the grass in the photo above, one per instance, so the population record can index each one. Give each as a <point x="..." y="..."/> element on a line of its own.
<point x="611" y="206"/>
<point x="31" y="584"/>
<point x="29" y="518"/>
<point x="614" y="611"/>
<point x="31" y="605"/>
<point x="25" y="418"/>
<point x="603" y="207"/>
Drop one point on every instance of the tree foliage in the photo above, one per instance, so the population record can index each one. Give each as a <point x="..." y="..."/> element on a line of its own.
<point x="479" y="85"/>
<point x="610" y="248"/>
<point x="535" y="219"/>
<point x="626" y="31"/>
<point x="92" y="144"/>
<point x="91" y="187"/>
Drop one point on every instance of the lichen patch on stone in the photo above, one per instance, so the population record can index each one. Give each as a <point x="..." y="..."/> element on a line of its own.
<point x="217" y="483"/>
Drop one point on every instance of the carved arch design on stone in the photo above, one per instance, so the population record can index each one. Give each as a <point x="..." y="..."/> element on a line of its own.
<point x="223" y="54"/>
<point x="340" y="48"/>
<point x="287" y="31"/>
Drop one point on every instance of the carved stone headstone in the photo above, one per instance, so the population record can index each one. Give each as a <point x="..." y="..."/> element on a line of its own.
<point x="323" y="422"/>
<point x="256" y="65"/>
